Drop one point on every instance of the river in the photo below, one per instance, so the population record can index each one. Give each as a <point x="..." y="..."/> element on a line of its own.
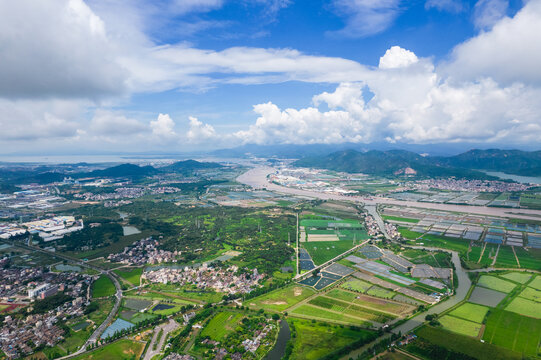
<point x="279" y="348"/>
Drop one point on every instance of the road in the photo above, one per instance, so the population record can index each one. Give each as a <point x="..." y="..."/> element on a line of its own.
<point x="167" y="328"/>
<point x="118" y="295"/>
<point x="257" y="178"/>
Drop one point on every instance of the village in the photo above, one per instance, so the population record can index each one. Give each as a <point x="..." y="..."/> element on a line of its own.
<point x="144" y="251"/>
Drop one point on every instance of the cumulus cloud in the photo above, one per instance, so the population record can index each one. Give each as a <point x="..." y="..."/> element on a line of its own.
<point x="199" y="133"/>
<point x="510" y="52"/>
<point x="163" y="127"/>
<point x="396" y="57"/>
<point x="365" y="17"/>
<point x="57" y="48"/>
<point x="111" y="123"/>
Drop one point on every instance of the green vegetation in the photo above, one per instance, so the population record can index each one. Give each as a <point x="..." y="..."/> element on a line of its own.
<point x="381" y="292"/>
<point x="520" y="277"/>
<point x="525" y="307"/>
<point x="408" y="234"/>
<point x="119" y="350"/>
<point x="323" y="251"/>
<point x="460" y="326"/>
<point x="459" y="344"/>
<point x="132" y="275"/>
<point x="311" y="312"/>
<point x="356" y="285"/>
<point x="281" y="299"/>
<point x="513" y="332"/>
<point x="221" y="324"/>
<point x="531" y="294"/>
<point x="494" y="283"/>
<point x="506" y="258"/>
<point x="314" y="340"/>
<point x="471" y="312"/>
<point x="529" y="259"/>
<point x="536" y="283"/>
<point x="398" y="218"/>
<point x="103" y="287"/>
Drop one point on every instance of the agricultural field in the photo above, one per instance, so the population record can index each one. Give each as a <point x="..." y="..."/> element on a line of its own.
<point x="471" y="312"/>
<point x="525" y="307"/>
<point x="529" y="259"/>
<point x="488" y="254"/>
<point x="323" y="251"/>
<point x="531" y="294"/>
<point x="536" y="283"/>
<point x="460" y="326"/>
<point x="459" y="344"/>
<point x="370" y="302"/>
<point x="313" y="340"/>
<point x="381" y="292"/>
<point x="397" y="218"/>
<point x="281" y="299"/>
<point x="103" y="287"/>
<point x="186" y="292"/>
<point x="131" y="275"/>
<point x="487" y="297"/>
<point x="356" y="285"/>
<point x="311" y="312"/>
<point x="513" y="332"/>
<point x="119" y="350"/>
<point x="494" y="283"/>
<point x="221" y="324"/>
<point x="519" y="277"/>
<point x="506" y="258"/>
<point x="443" y="242"/>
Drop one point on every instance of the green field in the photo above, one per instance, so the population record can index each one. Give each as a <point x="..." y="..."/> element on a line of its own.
<point x="103" y="287"/>
<point x="525" y="307"/>
<point x="531" y="294"/>
<point x="465" y="344"/>
<point x="316" y="339"/>
<point x="323" y="251"/>
<point x="494" y="283"/>
<point x="506" y="258"/>
<point x="221" y="324"/>
<point x="408" y="234"/>
<point x="471" y="312"/>
<point x="370" y="303"/>
<point x="356" y="285"/>
<point x="120" y="350"/>
<point x="186" y="292"/>
<point x="381" y="292"/>
<point x="529" y="259"/>
<point x="132" y="275"/>
<point x="443" y="242"/>
<point x="519" y="277"/>
<point x="513" y="332"/>
<point x="344" y="307"/>
<point x="398" y="218"/>
<point x="460" y="326"/>
<point x="281" y="299"/>
<point x="311" y="312"/>
<point x="536" y="283"/>
<point x="488" y="254"/>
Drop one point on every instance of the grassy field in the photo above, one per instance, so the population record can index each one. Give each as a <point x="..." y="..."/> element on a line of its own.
<point x="381" y="292"/>
<point x="323" y="251"/>
<point x="120" y="350"/>
<point x="316" y="339"/>
<point x="281" y="299"/>
<point x="311" y="312"/>
<point x="132" y="275"/>
<point x="408" y="234"/>
<point x="103" y="287"/>
<point x="506" y="258"/>
<point x="531" y="294"/>
<point x="443" y="242"/>
<point x="356" y="285"/>
<point x="369" y="302"/>
<point x="494" y="283"/>
<point x="525" y="307"/>
<point x="513" y="332"/>
<point x="471" y="312"/>
<point x="519" y="277"/>
<point x="460" y="326"/>
<point x="398" y="218"/>
<point x="344" y="307"/>
<point x="187" y="292"/>
<point x="221" y="324"/>
<point x="536" y="283"/>
<point x="488" y="254"/>
<point x="529" y="259"/>
<point x="466" y="345"/>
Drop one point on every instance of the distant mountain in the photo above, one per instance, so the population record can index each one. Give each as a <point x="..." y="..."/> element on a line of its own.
<point x="386" y="163"/>
<point x="123" y="170"/>
<point x="189" y="165"/>
<point x="508" y="161"/>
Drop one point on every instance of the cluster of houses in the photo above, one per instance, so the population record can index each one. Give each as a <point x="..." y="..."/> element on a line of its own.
<point x="119" y="193"/>
<point x="372" y="227"/>
<point x="144" y="251"/>
<point x="392" y="231"/>
<point x="252" y="345"/>
<point x="227" y="280"/>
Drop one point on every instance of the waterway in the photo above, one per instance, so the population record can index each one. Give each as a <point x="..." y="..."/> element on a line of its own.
<point x="517" y="178"/>
<point x="279" y="348"/>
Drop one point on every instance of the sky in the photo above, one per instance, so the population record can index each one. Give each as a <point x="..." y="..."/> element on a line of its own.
<point x="141" y="76"/>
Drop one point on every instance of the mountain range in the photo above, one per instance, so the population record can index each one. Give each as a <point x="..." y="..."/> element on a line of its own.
<point x="470" y="164"/>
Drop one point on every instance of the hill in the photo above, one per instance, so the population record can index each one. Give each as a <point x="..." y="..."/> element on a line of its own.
<point x="123" y="170"/>
<point x="385" y="163"/>
<point x="189" y="165"/>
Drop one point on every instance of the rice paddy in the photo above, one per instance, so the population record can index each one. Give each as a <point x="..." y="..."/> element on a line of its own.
<point x="221" y="324"/>
<point x="460" y="326"/>
<point x="471" y="312"/>
<point x="281" y="299"/>
<point x="525" y="307"/>
<point x="494" y="283"/>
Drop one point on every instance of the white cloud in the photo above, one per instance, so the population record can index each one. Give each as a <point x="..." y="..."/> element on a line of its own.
<point x="365" y="17"/>
<point x="163" y="126"/>
<point x="489" y="12"/>
<point x="396" y="57"/>
<point x="108" y="123"/>
<point x="454" y="6"/>
<point x="57" y="48"/>
<point x="510" y="52"/>
<point x="186" y="6"/>
<point x="200" y="133"/>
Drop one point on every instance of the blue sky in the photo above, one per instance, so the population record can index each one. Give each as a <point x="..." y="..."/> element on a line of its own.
<point x="181" y="75"/>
